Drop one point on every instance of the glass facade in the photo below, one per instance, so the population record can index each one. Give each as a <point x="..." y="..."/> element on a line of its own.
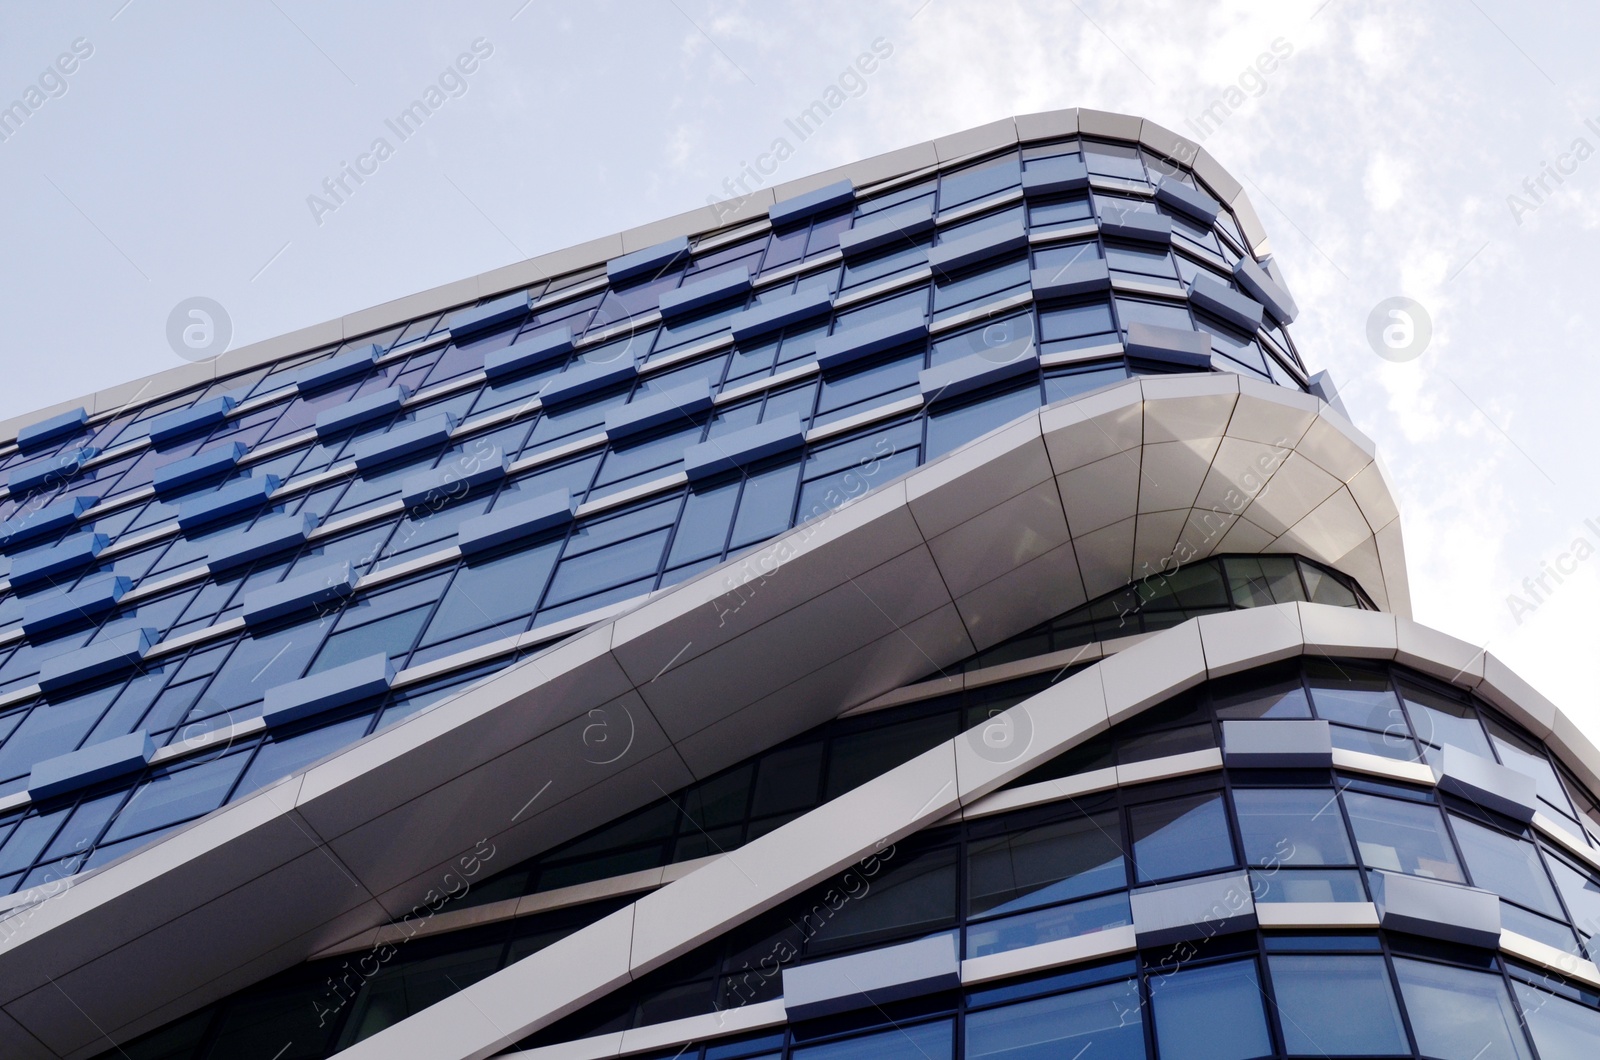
<point x="1059" y="870"/>
<point x="131" y="555"/>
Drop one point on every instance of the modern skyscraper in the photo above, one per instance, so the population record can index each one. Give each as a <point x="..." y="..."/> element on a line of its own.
<point x="924" y="610"/>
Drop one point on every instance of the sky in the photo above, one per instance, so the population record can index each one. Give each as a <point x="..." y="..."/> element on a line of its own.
<point x="1441" y="151"/>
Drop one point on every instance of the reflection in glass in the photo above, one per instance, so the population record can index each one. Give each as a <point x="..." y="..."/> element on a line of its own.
<point x="1292" y="826"/>
<point x="1180" y="837"/>
<point x="1043" y="865"/>
<point x="1210" y="1013"/>
<point x="1049" y="925"/>
<point x="1399" y="836"/>
<point x="1102" y="1022"/>
<point x="1336" y="1006"/>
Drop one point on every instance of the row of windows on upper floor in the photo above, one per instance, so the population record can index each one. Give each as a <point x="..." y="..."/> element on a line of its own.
<point x="1006" y="883"/>
<point x="763" y="253"/>
<point x="818" y="400"/>
<point x="1072" y="326"/>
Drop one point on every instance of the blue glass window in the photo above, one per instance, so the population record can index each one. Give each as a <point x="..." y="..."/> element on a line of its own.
<point x="1141" y="262"/>
<point x="950" y="428"/>
<point x="1058" y="386"/>
<point x="28" y="840"/>
<point x="393" y="634"/>
<point x="1100" y="1022"/>
<point x="1210" y="1013"/>
<point x="48" y="731"/>
<point x="927" y="1041"/>
<point x="629" y="565"/>
<point x="703" y="528"/>
<point x="1336" y="1005"/>
<point x="1076" y="327"/>
<point x="1441" y="722"/>
<point x="497" y="595"/>
<point x="1460" y="1012"/>
<point x="880" y="267"/>
<point x="766" y="506"/>
<point x="798" y="400"/>
<point x="1046" y="864"/>
<point x="1062" y="256"/>
<point x="1180" y="837"/>
<point x="1063" y="213"/>
<point x="1156" y="314"/>
<point x="282" y="755"/>
<point x="1113" y="160"/>
<point x="959" y="295"/>
<point x="987" y="335"/>
<point x="1292" y="826"/>
<point x="868" y="387"/>
<point x="915" y="893"/>
<point x="1581" y="892"/>
<point x="1515" y="753"/>
<point x="1508" y="866"/>
<point x="258" y="664"/>
<point x="646" y="460"/>
<point x="978" y="181"/>
<point x="1561" y="1029"/>
<point x="171" y="796"/>
<point x="77" y="836"/>
<point x="1401" y="836"/>
<point x="846" y="471"/>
